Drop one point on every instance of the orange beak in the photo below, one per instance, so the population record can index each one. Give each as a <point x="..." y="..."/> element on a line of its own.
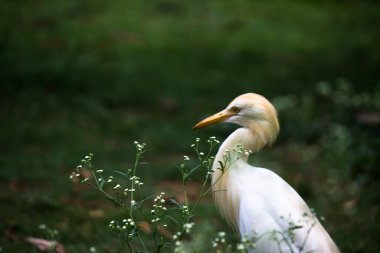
<point x="216" y="118"/>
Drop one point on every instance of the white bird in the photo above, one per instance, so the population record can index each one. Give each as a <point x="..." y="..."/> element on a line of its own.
<point x="256" y="202"/>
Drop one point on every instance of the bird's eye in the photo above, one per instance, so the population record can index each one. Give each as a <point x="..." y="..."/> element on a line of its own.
<point x="235" y="109"/>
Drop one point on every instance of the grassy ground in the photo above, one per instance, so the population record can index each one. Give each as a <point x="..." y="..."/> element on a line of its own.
<point x="92" y="76"/>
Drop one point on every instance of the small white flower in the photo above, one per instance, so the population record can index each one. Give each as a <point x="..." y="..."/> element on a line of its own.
<point x="92" y="249"/>
<point x="133" y="202"/>
<point x="240" y="246"/>
<point x="201" y="153"/>
<point x="188" y="226"/>
<point x="118" y="186"/>
<point x="186" y="158"/>
<point x="222" y="234"/>
<point x="42" y="226"/>
<point x="99" y="171"/>
<point x="155" y="220"/>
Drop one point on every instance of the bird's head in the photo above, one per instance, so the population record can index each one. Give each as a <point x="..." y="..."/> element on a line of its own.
<point x="251" y="111"/>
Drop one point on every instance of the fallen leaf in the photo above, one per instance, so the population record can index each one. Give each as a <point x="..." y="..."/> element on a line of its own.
<point x="45" y="245"/>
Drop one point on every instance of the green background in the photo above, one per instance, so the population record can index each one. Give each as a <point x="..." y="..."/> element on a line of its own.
<point x="93" y="76"/>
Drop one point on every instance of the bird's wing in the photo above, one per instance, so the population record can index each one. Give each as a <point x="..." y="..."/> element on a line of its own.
<point x="272" y="210"/>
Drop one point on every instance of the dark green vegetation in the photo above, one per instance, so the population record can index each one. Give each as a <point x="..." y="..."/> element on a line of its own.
<point x="93" y="76"/>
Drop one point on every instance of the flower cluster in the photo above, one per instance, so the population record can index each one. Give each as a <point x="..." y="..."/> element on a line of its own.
<point x="212" y="142"/>
<point x="158" y="207"/>
<point x="231" y="156"/>
<point x="87" y="159"/>
<point x="126" y="224"/>
<point x="185" y="211"/>
<point x="136" y="180"/>
<point x="188" y="226"/>
<point x="213" y="139"/>
<point x="220" y="240"/>
<point x="246" y="243"/>
<point x="80" y="172"/>
<point x="140" y="147"/>
<point x="76" y="174"/>
<point x="177" y="243"/>
<point x="177" y="237"/>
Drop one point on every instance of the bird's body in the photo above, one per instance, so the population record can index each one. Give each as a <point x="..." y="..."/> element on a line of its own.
<point x="256" y="202"/>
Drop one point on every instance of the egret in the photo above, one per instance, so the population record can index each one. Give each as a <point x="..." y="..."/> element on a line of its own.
<point x="256" y="202"/>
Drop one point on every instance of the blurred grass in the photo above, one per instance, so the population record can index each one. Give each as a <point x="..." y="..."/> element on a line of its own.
<point x="93" y="76"/>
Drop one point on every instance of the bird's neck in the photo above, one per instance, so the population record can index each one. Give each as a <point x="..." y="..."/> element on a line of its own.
<point x="245" y="140"/>
<point x="230" y="154"/>
<point x="240" y="137"/>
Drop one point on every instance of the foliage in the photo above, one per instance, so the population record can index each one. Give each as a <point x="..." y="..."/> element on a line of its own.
<point x="160" y="216"/>
<point x="164" y="217"/>
<point x="96" y="75"/>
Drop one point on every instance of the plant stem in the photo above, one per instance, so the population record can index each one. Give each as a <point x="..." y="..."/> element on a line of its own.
<point x="97" y="186"/>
